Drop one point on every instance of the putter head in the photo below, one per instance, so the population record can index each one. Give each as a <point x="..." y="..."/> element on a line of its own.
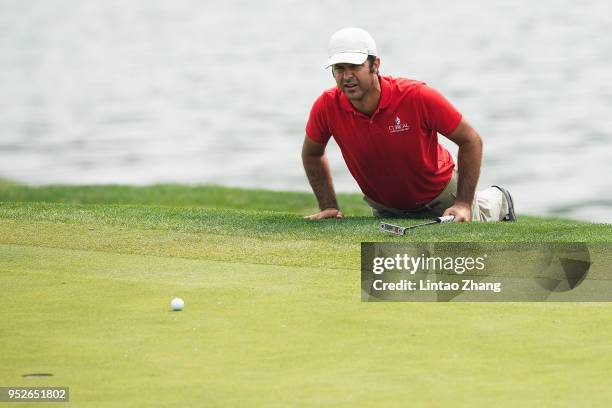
<point x="392" y="229"/>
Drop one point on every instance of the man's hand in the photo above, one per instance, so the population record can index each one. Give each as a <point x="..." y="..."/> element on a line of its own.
<point x="470" y="158"/>
<point x="326" y="213"/>
<point x="461" y="211"/>
<point x="320" y="179"/>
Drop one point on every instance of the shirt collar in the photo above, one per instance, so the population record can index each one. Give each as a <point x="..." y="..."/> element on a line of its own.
<point x="385" y="96"/>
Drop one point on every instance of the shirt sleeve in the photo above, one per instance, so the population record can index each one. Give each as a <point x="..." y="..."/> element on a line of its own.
<point x="439" y="114"/>
<point x="317" y="128"/>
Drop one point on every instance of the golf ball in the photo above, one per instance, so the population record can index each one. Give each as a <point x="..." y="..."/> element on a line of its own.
<point x="177" y="304"/>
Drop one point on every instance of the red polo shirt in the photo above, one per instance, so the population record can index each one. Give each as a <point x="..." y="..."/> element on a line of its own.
<point x="394" y="155"/>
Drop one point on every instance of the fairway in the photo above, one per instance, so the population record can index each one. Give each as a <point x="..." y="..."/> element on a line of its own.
<point x="273" y="316"/>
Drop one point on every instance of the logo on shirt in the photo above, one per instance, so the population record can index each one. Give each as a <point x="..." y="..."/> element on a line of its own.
<point x="399" y="126"/>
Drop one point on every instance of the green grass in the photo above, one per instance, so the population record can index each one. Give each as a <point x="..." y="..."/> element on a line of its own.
<point x="176" y="196"/>
<point x="273" y="316"/>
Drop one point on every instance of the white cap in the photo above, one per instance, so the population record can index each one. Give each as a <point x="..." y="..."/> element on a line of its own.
<point x="350" y="45"/>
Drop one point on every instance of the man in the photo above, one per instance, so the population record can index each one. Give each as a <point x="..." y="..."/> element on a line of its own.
<point x="387" y="130"/>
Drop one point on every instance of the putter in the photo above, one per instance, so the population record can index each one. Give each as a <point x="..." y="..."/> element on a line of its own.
<point x="397" y="230"/>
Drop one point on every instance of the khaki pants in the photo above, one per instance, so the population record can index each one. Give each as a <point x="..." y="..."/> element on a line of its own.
<point x="488" y="205"/>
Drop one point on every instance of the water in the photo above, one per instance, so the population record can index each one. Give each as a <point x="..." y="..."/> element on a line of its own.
<point x="218" y="92"/>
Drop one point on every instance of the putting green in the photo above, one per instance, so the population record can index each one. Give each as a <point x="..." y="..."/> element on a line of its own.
<point x="273" y="316"/>
<point x="262" y="335"/>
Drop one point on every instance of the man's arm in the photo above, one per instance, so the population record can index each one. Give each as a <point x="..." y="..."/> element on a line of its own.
<point x="319" y="176"/>
<point x="469" y="158"/>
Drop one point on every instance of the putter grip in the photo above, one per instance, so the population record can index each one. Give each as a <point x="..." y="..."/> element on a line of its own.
<point x="448" y="218"/>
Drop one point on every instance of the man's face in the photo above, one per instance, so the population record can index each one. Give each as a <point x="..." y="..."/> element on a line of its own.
<point x="355" y="81"/>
